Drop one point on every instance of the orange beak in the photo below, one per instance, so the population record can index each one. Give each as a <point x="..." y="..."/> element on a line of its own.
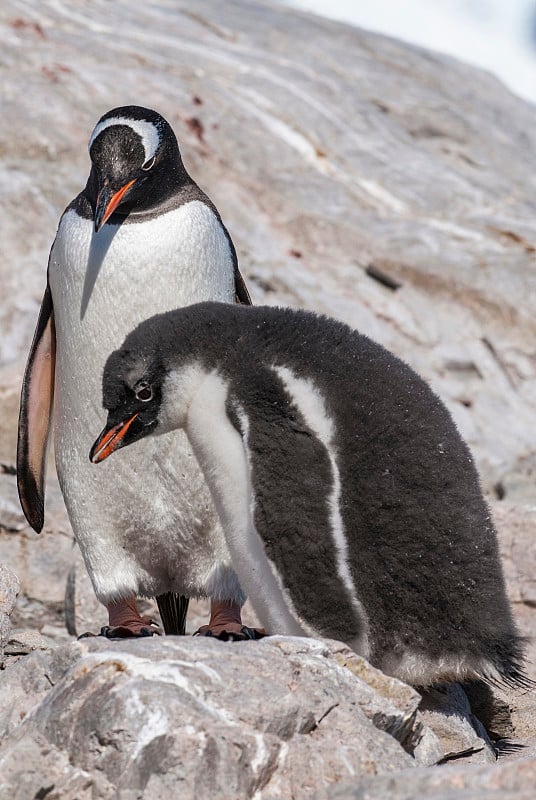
<point x="108" y="202"/>
<point x="110" y="440"/>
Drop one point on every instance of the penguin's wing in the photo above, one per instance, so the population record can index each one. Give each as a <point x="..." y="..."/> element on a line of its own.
<point x="242" y="295"/>
<point x="35" y="416"/>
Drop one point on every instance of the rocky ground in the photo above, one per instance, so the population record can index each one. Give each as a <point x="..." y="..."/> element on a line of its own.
<point x="279" y="718"/>
<point x="379" y="183"/>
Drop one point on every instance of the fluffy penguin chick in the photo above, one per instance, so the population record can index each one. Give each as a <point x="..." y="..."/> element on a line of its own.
<point x="350" y="504"/>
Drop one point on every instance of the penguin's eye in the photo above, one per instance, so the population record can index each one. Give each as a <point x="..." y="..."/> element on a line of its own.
<point x="143" y="391"/>
<point x="149" y="164"/>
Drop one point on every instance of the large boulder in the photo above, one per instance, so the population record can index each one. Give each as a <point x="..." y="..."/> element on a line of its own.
<point x="277" y="718"/>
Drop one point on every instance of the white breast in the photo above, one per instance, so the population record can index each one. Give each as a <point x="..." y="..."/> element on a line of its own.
<point x="144" y="519"/>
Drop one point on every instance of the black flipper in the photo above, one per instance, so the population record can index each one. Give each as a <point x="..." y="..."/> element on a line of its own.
<point x="173" y="609"/>
<point x="37" y="398"/>
<point x="242" y="295"/>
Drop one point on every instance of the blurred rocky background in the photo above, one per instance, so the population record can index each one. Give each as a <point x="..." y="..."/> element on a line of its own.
<point x="385" y="185"/>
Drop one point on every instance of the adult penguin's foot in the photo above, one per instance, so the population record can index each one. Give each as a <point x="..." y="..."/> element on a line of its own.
<point x="226" y="624"/>
<point x="125" y="622"/>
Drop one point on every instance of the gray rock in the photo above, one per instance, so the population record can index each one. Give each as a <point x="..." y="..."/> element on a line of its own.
<point x="22" y="642"/>
<point x="277" y="718"/>
<point x="516" y="525"/>
<point x="492" y="709"/>
<point x="83" y="612"/>
<point x="397" y="712"/>
<point x="513" y="781"/>
<point x="40" y="769"/>
<point x="447" y="712"/>
<point x="425" y="745"/>
<point x="10" y="382"/>
<point x="40" y="562"/>
<point x="9" y="589"/>
<point x="26" y="682"/>
<point x="12" y="519"/>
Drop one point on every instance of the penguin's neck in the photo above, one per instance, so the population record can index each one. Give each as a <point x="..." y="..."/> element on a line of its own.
<point x="180" y="388"/>
<point x="223" y="457"/>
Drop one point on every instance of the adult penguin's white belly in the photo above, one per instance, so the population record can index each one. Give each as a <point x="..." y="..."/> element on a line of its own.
<point x="145" y="520"/>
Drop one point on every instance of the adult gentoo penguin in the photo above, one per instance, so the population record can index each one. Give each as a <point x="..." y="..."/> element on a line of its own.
<point x="140" y="238"/>
<point x="350" y="504"/>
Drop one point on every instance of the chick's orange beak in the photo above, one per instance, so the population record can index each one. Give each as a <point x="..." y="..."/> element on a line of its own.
<point x="110" y="440"/>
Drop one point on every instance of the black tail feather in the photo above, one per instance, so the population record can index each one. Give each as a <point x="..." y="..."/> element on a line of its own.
<point x="173" y="609"/>
<point x="507" y="747"/>
<point x="509" y="660"/>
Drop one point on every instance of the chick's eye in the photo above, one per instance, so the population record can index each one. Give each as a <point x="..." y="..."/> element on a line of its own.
<point x="149" y="164"/>
<point x="143" y="391"/>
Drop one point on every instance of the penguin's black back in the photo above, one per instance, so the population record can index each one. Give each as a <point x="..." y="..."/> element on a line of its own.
<point x="421" y="542"/>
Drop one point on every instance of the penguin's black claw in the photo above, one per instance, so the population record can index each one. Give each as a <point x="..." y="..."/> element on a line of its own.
<point x="242" y="635"/>
<point x="121" y="632"/>
<point x="124" y="632"/>
<point x="253" y="633"/>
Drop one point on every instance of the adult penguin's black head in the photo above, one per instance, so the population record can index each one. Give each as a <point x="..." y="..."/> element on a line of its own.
<point x="135" y="163"/>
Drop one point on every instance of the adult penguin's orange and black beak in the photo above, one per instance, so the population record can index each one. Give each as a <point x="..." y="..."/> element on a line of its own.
<point x="108" y="200"/>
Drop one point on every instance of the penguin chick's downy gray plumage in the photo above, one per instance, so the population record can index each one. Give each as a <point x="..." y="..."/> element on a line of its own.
<point x="350" y="504"/>
<point x="140" y="239"/>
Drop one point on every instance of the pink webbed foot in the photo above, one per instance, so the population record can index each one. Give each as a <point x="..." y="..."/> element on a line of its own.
<point x="226" y="624"/>
<point x="125" y="622"/>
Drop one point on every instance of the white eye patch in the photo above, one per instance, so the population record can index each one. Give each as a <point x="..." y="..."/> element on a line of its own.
<point x="147" y="131"/>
